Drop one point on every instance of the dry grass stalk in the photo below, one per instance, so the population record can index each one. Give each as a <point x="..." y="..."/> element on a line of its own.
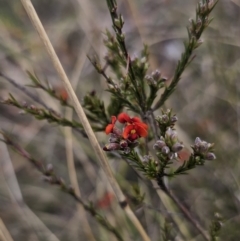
<point x="4" y="233"/>
<point x="69" y="150"/>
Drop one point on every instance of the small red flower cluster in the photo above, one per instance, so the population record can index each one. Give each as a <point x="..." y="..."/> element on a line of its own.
<point x="134" y="128"/>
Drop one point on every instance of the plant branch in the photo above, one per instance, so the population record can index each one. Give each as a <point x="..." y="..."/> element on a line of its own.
<point x="51" y="177"/>
<point x="49" y="90"/>
<point x="184" y="210"/>
<point x="86" y="125"/>
<point x="195" y="31"/>
<point x="41" y="114"/>
<point x="118" y="22"/>
<point x="24" y="90"/>
<point x="49" y="114"/>
<point x="169" y="193"/>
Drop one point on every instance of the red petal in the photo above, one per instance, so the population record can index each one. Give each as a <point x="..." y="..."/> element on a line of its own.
<point x="127" y="131"/>
<point x="123" y="117"/>
<point x="141" y="129"/>
<point x="105" y="201"/>
<point x="109" y="128"/>
<point x="136" y="119"/>
<point x="64" y="94"/>
<point x="114" y="119"/>
<point x="144" y="125"/>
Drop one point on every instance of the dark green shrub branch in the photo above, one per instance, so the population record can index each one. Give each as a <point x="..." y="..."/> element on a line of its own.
<point x="118" y="22"/>
<point x="42" y="114"/>
<point x="195" y="31"/>
<point x="94" y="106"/>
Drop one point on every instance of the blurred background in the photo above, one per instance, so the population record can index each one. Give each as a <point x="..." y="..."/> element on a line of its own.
<point x="207" y="103"/>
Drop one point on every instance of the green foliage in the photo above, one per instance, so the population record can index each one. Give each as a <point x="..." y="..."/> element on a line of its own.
<point x="95" y="109"/>
<point x="115" y="107"/>
<point x="147" y="167"/>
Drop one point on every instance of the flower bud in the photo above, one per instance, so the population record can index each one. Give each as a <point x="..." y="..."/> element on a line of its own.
<point x="165" y="150"/>
<point x="146" y="159"/>
<point x="171" y="136"/>
<point x="49" y="168"/>
<point x="150" y="80"/>
<point x="174" y="119"/>
<point x="164" y="79"/>
<point x="177" y="147"/>
<point x="156" y="75"/>
<point x="168" y="133"/>
<point x="117" y="23"/>
<point x="203" y="147"/>
<point x="143" y="60"/>
<point x="123" y="143"/>
<point x="159" y="144"/>
<point x="174" y="137"/>
<point x="165" y="118"/>
<point x="210" y="156"/>
<point x="111" y="147"/>
<point x="197" y="141"/>
<point x="32" y="107"/>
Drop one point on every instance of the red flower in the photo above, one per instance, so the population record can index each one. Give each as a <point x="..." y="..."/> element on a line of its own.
<point x="62" y="93"/>
<point x="134" y="129"/>
<point x="106" y="200"/>
<point x="109" y="127"/>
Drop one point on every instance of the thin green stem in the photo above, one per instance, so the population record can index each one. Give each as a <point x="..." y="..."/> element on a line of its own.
<point x="117" y="26"/>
